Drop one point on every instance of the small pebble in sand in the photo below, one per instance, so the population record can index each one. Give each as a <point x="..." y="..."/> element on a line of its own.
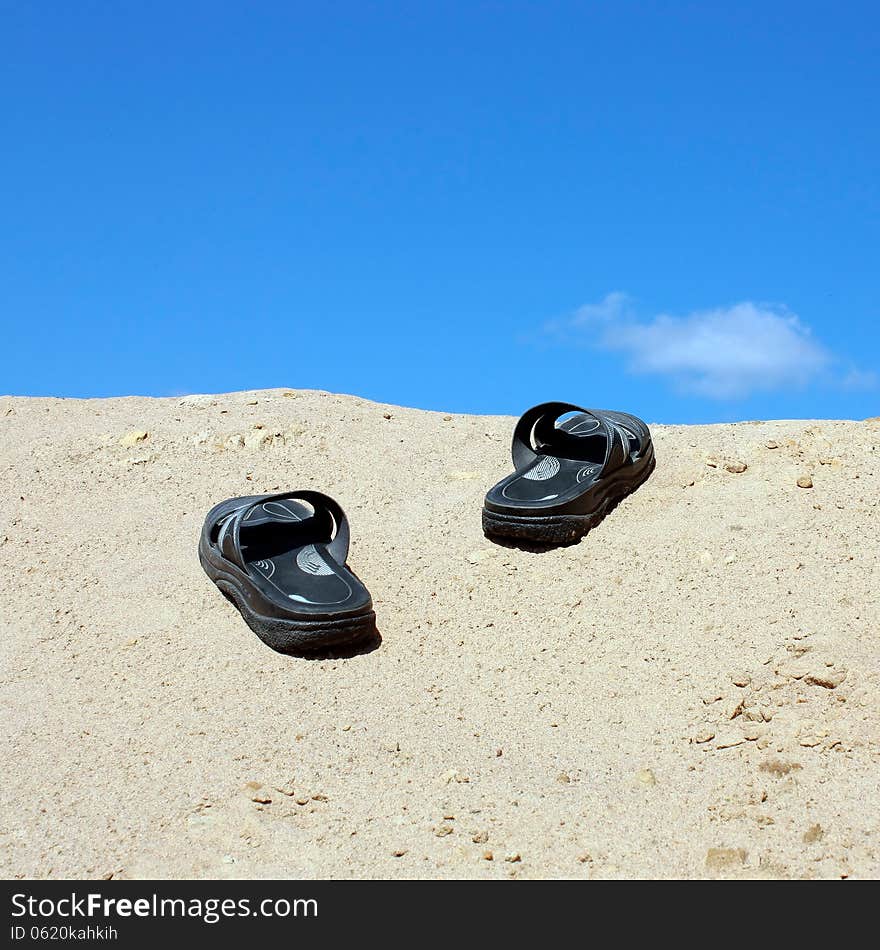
<point x="399" y="853"/>
<point x="302" y="799"/>
<point x="261" y="798"/>
<point x="805" y="482"/>
<point x="705" y="735"/>
<point x="441" y="831"/>
<point x="740" y="679"/>
<point x="514" y="858"/>
<point x="386" y="415"/>
<point x="488" y="856"/>
<point x="447" y="418"/>
<point x="563" y="778"/>
<point x="772" y="444"/>
<point x="133" y="437"/>
<point x="646" y="777"/>
<point x="736" y="468"/>
<point x="480" y="837"/>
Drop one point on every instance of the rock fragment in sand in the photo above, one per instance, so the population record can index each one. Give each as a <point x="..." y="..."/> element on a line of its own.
<point x="814" y="834"/>
<point x="735" y="467"/>
<point x="563" y="778"/>
<point x="828" y="679"/>
<point x="257" y="439"/>
<point x="805" y="482"/>
<point x="514" y="858"/>
<point x="453" y="775"/>
<point x="441" y="831"/>
<point x="399" y="853"/>
<point x="772" y="444"/>
<point x="488" y="856"/>
<point x="725" y="859"/>
<point x="704" y="735"/>
<point x="646" y="777"/>
<point x="197" y="402"/>
<point x="728" y="739"/>
<point x="134" y="438"/>
<point x="733" y="709"/>
<point x="740" y="678"/>
<point x="386" y="415"/>
<point x="480" y="837"/>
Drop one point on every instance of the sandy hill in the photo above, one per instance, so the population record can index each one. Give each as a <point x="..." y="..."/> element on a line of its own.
<point x="690" y="691"/>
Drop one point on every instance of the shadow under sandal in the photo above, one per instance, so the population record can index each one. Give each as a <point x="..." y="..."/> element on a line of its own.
<point x="281" y="560"/>
<point x="569" y="475"/>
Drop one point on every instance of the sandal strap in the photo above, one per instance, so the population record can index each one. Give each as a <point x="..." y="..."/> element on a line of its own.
<point x="325" y="508"/>
<point x="536" y="434"/>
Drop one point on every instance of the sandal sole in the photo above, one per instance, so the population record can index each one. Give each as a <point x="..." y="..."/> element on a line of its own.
<point x="558" y="530"/>
<point x="298" y="637"/>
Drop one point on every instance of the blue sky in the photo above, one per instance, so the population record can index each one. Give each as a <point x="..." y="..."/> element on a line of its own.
<point x="670" y="208"/>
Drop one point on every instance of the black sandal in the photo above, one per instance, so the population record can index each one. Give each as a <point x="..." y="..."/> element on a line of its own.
<point x="281" y="560"/>
<point x="568" y="476"/>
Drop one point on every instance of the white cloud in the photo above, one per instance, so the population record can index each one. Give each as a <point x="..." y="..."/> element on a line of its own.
<point x="725" y="353"/>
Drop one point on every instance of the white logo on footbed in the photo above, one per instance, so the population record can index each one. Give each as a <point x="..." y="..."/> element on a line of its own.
<point x="311" y="562"/>
<point x="266" y="568"/>
<point x="546" y="468"/>
<point x="586" y="472"/>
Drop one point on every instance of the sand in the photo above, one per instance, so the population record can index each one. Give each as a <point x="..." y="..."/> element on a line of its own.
<point x="691" y="691"/>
